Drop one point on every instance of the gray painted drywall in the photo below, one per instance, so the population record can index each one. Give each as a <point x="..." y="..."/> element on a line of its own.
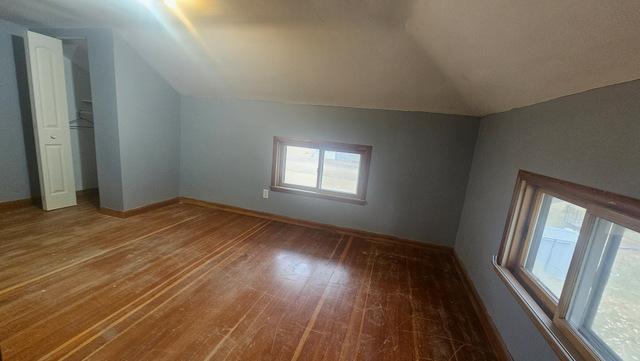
<point x="78" y="86"/>
<point x="19" y="177"/>
<point x="105" y="110"/>
<point x="149" y="128"/>
<point x="419" y="165"/>
<point x="592" y="138"/>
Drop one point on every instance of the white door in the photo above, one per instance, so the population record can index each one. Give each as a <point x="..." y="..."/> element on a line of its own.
<point x="50" y="121"/>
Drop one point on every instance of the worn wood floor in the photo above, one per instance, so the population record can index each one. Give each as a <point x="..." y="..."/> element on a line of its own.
<point x="191" y="283"/>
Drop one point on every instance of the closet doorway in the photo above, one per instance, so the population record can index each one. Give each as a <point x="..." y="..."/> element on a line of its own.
<point x="81" y="121"/>
<point x="63" y="119"/>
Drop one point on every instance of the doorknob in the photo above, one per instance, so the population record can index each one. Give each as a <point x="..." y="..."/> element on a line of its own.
<point x="52" y="137"/>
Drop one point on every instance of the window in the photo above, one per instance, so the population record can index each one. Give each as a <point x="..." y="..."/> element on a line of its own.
<point x="571" y="256"/>
<point x="335" y="171"/>
<point x="553" y="242"/>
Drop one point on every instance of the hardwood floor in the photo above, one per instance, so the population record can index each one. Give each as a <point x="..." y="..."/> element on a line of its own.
<point x="191" y="283"/>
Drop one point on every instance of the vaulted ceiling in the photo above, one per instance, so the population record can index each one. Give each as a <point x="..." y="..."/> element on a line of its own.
<point x="450" y="56"/>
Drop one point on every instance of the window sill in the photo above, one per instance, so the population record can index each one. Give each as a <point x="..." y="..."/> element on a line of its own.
<point x="332" y="197"/>
<point x="558" y="342"/>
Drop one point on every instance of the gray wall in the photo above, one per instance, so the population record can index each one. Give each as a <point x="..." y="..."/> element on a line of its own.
<point x="591" y="138"/>
<point x="149" y="128"/>
<point x="419" y="166"/>
<point x="19" y="177"/>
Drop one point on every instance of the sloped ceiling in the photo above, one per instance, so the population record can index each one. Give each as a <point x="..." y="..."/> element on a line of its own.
<point x="464" y="57"/>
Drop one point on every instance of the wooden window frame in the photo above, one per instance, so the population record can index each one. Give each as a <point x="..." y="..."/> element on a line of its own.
<point x="278" y="168"/>
<point x="549" y="314"/>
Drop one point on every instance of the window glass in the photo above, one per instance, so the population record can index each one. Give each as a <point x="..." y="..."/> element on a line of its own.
<point x="584" y="264"/>
<point x="336" y="171"/>
<point x="301" y="166"/>
<point x="606" y="307"/>
<point x="340" y="172"/>
<point x="553" y="242"/>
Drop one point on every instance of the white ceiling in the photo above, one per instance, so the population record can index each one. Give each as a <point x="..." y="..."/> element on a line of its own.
<point x="450" y="56"/>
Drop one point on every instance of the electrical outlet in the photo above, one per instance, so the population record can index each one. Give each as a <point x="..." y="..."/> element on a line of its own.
<point x="265" y="193"/>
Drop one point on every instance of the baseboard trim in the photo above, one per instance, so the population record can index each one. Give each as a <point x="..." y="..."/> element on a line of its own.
<point x="139" y="210"/>
<point x="490" y="329"/>
<point x="36" y="201"/>
<point x="19" y="203"/>
<point x="87" y="192"/>
<point x="316" y="225"/>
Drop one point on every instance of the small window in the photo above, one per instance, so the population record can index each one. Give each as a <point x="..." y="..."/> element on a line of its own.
<point x="571" y="255"/>
<point x="553" y="242"/>
<point x="330" y="170"/>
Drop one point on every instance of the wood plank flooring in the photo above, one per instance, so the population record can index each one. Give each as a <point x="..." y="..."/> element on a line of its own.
<point x="192" y="283"/>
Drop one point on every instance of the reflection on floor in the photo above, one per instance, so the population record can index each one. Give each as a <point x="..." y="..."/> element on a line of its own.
<point x="185" y="282"/>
